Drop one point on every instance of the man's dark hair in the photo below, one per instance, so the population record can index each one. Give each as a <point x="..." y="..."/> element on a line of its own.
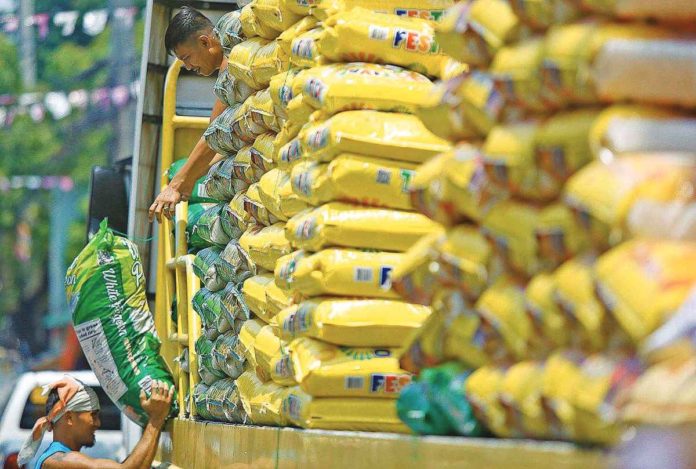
<point x="185" y="24"/>
<point x="52" y="399"/>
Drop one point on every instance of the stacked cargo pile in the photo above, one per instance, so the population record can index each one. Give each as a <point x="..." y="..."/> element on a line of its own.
<point x="569" y="206"/>
<point x="327" y="147"/>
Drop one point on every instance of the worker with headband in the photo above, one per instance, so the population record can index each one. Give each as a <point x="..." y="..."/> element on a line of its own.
<point x="72" y="413"/>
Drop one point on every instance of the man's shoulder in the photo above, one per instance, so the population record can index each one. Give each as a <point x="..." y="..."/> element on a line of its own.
<point x="67" y="459"/>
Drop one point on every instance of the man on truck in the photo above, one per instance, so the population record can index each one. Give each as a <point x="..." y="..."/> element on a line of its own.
<point x="191" y="38"/>
<point x="72" y="413"/>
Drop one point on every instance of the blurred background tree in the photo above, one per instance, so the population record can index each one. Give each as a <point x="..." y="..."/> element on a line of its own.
<point x="69" y="147"/>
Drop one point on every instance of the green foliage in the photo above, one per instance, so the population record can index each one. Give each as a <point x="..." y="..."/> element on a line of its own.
<point x="67" y="147"/>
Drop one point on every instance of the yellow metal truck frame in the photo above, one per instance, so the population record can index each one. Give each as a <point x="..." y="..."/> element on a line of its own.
<point x="191" y="443"/>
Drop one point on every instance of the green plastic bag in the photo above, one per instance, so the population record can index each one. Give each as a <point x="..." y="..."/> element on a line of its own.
<point x="199" y="194"/>
<point x="105" y="287"/>
<point x="193" y="238"/>
<point x="207" y="371"/>
<point x="435" y="404"/>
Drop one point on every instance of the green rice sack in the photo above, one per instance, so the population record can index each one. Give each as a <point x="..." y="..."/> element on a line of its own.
<point x="199" y="194"/>
<point x="105" y="287"/>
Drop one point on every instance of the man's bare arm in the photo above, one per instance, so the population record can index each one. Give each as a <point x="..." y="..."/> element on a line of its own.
<point x="182" y="183"/>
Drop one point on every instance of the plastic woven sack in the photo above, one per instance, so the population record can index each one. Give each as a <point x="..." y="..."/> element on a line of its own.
<point x="296" y="30"/>
<point x="262" y="154"/>
<point x="325" y="370"/>
<point x="254" y="206"/>
<point x="276" y="194"/>
<point x="265" y="245"/>
<point x="274" y="14"/>
<point x="223" y="402"/>
<point x="220" y="136"/>
<point x="241" y="166"/>
<point x="385" y="135"/>
<point x="272" y="357"/>
<point x="353" y="178"/>
<point x="403" y="41"/>
<point x="203" y="267"/>
<point x="261" y="400"/>
<point x="199" y="193"/>
<point x="234" y="264"/>
<point x="254" y="291"/>
<point x="352" y="226"/>
<point x="261" y="110"/>
<point x="343" y="87"/>
<point x="206" y="368"/>
<point x="240" y="218"/>
<point x="229" y="30"/>
<point x="215" y="226"/>
<point x="269" y="60"/>
<point x="225" y="355"/>
<point x="472" y="32"/>
<point x="105" y="288"/>
<point x="515" y="71"/>
<point x="343" y="272"/>
<point x="199" y="401"/>
<point x="195" y="211"/>
<point x="341" y="413"/>
<point x="352" y="323"/>
<point x="251" y="26"/>
<point x="242" y="59"/>
<point x="432" y="10"/>
<point x="541" y="14"/>
<point x="231" y="90"/>
<point x="304" y="50"/>
<point x="221" y="183"/>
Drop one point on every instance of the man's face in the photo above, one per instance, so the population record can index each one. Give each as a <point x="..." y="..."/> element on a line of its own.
<point x="85" y="425"/>
<point x="201" y="54"/>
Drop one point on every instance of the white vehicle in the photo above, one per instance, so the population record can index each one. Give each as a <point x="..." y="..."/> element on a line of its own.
<point x="24" y="405"/>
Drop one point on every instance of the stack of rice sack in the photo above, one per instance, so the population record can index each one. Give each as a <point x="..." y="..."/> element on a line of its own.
<point x="569" y="205"/>
<point x="328" y="144"/>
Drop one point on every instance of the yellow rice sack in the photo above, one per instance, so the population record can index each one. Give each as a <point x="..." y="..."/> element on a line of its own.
<point x="262" y="112"/>
<point x="353" y="323"/>
<point x="531" y="239"/>
<point x="447" y="334"/>
<point x="269" y="60"/>
<point x="325" y="370"/>
<point x="242" y="166"/>
<point x="354" y="178"/>
<point x="304" y="51"/>
<point x="542" y="14"/>
<point x="254" y="206"/>
<point x="265" y="244"/>
<point x="550" y="327"/>
<point x="579" y="55"/>
<point x="277" y="299"/>
<point x="385" y="135"/>
<point x="262" y="154"/>
<point x="280" y="89"/>
<point x="520" y="394"/>
<point x="604" y="378"/>
<point x="644" y="282"/>
<point x="251" y="26"/>
<point x="563" y="144"/>
<point x="505" y="325"/>
<point x="466" y="261"/>
<point x="459" y="108"/>
<point x="254" y="291"/>
<point x="412" y="277"/>
<point x="241" y="61"/>
<point x="344" y="87"/>
<point x="285" y="266"/>
<point x="277" y="196"/>
<point x="274" y="14"/>
<point x="363" y="35"/>
<point x="343" y="272"/>
<point x="299" y="7"/>
<point x="351" y="226"/>
<point x="603" y="195"/>
<point x="515" y="72"/>
<point x="559" y="384"/>
<point x="675" y="11"/>
<point x="240" y="217"/>
<point x="509" y="159"/>
<point x="342" y="413"/>
<point x="261" y="400"/>
<point x="272" y="357"/>
<point x="299" y="112"/>
<point x="432" y="10"/>
<point x="482" y="391"/>
<point x="247" y="336"/>
<point x="575" y="295"/>
<point x="472" y="32"/>
<point x="303" y="25"/>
